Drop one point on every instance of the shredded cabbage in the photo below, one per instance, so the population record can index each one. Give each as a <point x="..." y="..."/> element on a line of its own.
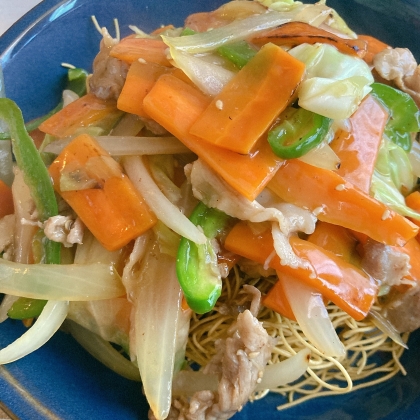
<point x="334" y="83"/>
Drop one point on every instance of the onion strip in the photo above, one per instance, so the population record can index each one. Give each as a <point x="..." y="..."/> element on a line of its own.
<point x="78" y="282"/>
<point x="235" y="31"/>
<point x="129" y="145"/>
<point x="312" y="316"/>
<point x="164" y="210"/>
<point x="285" y="372"/>
<point x="50" y="320"/>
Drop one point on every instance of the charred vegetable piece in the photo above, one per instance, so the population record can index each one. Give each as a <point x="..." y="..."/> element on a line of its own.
<point x="299" y="132"/>
<point x="404" y="115"/>
<point x="196" y="265"/>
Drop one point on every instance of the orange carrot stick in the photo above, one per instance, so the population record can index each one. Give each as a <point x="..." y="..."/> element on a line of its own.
<point x="276" y="300"/>
<point x="140" y="79"/>
<point x="6" y="200"/>
<point x="337" y="280"/>
<point x="107" y="202"/>
<point x="334" y="238"/>
<point x="359" y="148"/>
<point x="176" y="105"/>
<point x="337" y="201"/>
<point x="247" y="106"/>
<point x="296" y="33"/>
<point x="131" y="49"/>
<point x="413" y="201"/>
<point x="83" y="112"/>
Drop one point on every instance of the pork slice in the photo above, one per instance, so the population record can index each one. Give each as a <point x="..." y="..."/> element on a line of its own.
<point x="109" y="73"/>
<point x="239" y="364"/>
<point x="384" y="263"/>
<point x="398" y="65"/>
<point x="404" y="311"/>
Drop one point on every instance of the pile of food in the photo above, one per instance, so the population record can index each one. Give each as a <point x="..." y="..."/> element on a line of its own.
<point x="222" y="210"/>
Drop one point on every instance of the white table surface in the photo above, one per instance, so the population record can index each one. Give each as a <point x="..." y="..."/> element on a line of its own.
<point x="12" y="10"/>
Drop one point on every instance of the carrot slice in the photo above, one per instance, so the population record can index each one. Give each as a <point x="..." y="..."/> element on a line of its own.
<point x="276" y="300"/>
<point x="337" y="280"/>
<point x="334" y="238"/>
<point x="339" y="202"/>
<point x="6" y="200"/>
<point x="247" y="106"/>
<point x="296" y="33"/>
<point x="359" y="148"/>
<point x="107" y="202"/>
<point x="176" y="105"/>
<point x="140" y="79"/>
<point x="83" y="112"/>
<point x="131" y="49"/>
<point x="413" y="201"/>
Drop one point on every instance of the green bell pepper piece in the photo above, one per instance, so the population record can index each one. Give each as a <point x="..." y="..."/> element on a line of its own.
<point x="196" y="265"/>
<point x="39" y="182"/>
<point x="404" y="115"/>
<point x="188" y="31"/>
<point x="299" y="131"/>
<point x="24" y="308"/>
<point x="238" y="53"/>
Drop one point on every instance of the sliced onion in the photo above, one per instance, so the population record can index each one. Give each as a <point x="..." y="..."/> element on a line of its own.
<point x="235" y="31"/>
<point x="6" y="304"/>
<point x="24" y="232"/>
<point x="287" y="371"/>
<point x="386" y="327"/>
<point x="129" y="145"/>
<point x="157" y="304"/>
<point x="312" y="316"/>
<point x="60" y="282"/>
<point x="414" y="157"/>
<point x="50" y="320"/>
<point x="103" y="351"/>
<point x="210" y="78"/>
<point x="322" y="156"/>
<point x="164" y="210"/>
<point x="128" y="125"/>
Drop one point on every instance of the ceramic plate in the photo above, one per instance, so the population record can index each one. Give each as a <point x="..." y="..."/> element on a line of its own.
<point x="62" y="381"/>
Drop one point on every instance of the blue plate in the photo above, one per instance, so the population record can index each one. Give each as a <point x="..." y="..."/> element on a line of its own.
<point x="62" y="381"/>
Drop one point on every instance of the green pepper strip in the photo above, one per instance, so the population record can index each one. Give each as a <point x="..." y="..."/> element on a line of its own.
<point x="196" y="265"/>
<point x="299" y="132"/>
<point x="187" y="32"/>
<point x="76" y="81"/>
<point x="238" y="53"/>
<point x="404" y="115"/>
<point x="38" y="180"/>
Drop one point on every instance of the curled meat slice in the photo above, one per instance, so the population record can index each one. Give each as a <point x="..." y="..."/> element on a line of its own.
<point x="404" y="310"/>
<point x="109" y="73"/>
<point x="239" y="364"/>
<point x="385" y="263"/>
<point x="399" y="66"/>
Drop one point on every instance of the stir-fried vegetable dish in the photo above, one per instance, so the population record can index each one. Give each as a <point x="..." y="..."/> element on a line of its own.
<point x="222" y="210"/>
